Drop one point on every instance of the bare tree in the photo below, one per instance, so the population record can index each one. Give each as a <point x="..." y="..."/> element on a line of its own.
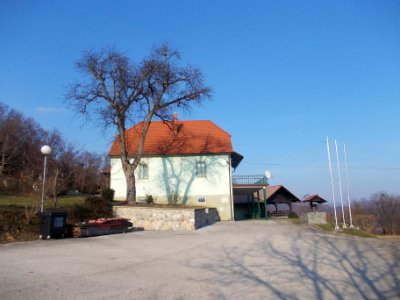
<point x="379" y="214"/>
<point x="364" y="215"/>
<point x="61" y="165"/>
<point x="386" y="208"/>
<point x="118" y="92"/>
<point x="21" y="163"/>
<point x="88" y="172"/>
<point x="18" y="149"/>
<point x="10" y="125"/>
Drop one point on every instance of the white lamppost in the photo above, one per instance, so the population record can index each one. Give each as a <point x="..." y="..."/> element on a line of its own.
<point x="46" y="150"/>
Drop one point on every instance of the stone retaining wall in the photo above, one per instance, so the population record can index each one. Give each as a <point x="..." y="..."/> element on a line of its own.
<point x="176" y="219"/>
<point x="314" y="217"/>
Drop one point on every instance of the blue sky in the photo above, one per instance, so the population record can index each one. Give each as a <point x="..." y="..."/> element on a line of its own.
<point x="284" y="74"/>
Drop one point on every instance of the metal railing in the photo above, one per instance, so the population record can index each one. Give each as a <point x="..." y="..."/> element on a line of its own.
<point x="249" y="179"/>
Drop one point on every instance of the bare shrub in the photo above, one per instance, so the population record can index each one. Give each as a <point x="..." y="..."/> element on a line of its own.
<point x="386" y="209"/>
<point x="365" y="222"/>
<point x="379" y="214"/>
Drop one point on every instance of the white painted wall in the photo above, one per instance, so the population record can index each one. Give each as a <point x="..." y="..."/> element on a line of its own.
<point x="174" y="178"/>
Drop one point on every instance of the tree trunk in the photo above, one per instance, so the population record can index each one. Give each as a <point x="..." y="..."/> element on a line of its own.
<point x="131" y="188"/>
<point x="3" y="155"/>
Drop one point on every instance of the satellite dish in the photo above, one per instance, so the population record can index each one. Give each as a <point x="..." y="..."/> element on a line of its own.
<point x="267" y="174"/>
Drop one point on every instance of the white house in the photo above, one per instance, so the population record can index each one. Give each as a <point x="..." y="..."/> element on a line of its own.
<point x="184" y="162"/>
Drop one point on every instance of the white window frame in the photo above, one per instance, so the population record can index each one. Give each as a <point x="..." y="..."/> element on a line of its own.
<point x="143" y="172"/>
<point x="201" y="202"/>
<point x="201" y="169"/>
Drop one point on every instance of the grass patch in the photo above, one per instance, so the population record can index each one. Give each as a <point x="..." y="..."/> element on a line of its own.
<point x="69" y="201"/>
<point x="20" y="220"/>
<point x="32" y="200"/>
<point x="353" y="232"/>
<point x="326" y="227"/>
<point x="18" y="201"/>
<point x="358" y="233"/>
<point x="157" y="205"/>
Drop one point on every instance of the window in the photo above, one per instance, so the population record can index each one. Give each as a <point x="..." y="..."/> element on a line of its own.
<point x="201" y="169"/>
<point x="142" y="199"/>
<point x="143" y="171"/>
<point x="201" y="200"/>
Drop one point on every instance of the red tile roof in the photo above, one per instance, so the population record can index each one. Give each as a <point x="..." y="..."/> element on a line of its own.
<point x="272" y="189"/>
<point x="314" y="198"/>
<point x="191" y="137"/>
<point x="276" y="189"/>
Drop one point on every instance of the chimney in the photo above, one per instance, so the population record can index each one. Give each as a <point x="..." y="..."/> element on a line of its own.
<point x="175" y="123"/>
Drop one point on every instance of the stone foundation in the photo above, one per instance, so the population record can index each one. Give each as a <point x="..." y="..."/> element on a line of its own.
<point x="314" y="217"/>
<point x="175" y="219"/>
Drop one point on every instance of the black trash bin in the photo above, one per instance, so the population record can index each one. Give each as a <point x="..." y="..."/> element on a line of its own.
<point x="52" y="225"/>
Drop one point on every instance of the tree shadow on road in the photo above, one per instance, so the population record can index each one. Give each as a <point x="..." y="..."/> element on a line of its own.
<point x="310" y="265"/>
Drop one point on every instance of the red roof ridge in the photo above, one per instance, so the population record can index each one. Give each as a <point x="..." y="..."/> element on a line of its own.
<point x="194" y="137"/>
<point x="310" y="198"/>
<point x="220" y="128"/>
<point x="275" y="186"/>
<point x="187" y="121"/>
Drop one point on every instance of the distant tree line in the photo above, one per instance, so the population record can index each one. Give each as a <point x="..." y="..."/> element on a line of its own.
<point x="21" y="162"/>
<point x="378" y="214"/>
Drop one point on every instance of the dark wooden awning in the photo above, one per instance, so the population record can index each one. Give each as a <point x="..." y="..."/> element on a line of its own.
<point x="275" y="194"/>
<point x="252" y="196"/>
<point x="236" y="158"/>
<point x="247" y="189"/>
<point x="279" y="194"/>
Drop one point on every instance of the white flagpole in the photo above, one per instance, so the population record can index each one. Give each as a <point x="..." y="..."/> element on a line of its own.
<point x="347" y="185"/>
<point x="340" y="185"/>
<point x="333" y="189"/>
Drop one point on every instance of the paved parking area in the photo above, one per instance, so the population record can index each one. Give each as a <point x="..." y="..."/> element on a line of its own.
<point x="229" y="260"/>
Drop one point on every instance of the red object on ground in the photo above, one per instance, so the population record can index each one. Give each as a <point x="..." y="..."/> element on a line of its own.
<point x="111" y="222"/>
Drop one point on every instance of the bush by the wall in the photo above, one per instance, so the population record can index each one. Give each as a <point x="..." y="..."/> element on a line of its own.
<point x="149" y="199"/>
<point x="93" y="208"/>
<point x="108" y="194"/>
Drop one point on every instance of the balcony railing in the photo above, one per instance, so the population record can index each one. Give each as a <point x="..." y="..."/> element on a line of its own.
<point x="249" y="179"/>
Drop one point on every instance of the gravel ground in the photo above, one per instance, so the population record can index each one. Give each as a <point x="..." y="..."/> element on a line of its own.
<point x="229" y="260"/>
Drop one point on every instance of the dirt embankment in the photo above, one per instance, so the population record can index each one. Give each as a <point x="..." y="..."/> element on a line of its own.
<point x="17" y="224"/>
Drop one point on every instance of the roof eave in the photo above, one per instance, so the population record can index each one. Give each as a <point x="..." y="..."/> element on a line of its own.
<point x="236" y="158"/>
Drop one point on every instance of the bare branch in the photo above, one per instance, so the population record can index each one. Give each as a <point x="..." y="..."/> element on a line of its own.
<point x="117" y="91"/>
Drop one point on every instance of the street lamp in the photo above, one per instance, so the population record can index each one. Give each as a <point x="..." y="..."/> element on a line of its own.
<point x="46" y="150"/>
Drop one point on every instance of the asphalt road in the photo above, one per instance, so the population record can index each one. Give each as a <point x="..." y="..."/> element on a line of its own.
<point x="229" y="260"/>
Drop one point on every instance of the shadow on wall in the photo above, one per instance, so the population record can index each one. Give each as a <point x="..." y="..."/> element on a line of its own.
<point x="181" y="176"/>
<point x="310" y="268"/>
<point x="175" y="178"/>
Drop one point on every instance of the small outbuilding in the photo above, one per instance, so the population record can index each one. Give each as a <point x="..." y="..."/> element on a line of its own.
<point x="249" y="199"/>
<point x="314" y="201"/>
<point x="278" y="195"/>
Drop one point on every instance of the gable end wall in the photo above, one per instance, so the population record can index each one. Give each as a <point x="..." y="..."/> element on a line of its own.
<point x="172" y="179"/>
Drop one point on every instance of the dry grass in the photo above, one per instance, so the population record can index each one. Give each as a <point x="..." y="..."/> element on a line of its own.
<point x="32" y="200"/>
<point x="157" y="205"/>
<point x="330" y="227"/>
